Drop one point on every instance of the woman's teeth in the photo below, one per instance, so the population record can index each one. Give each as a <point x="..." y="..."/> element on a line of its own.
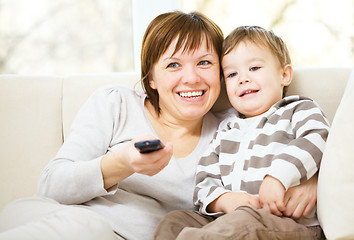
<point x="193" y="94"/>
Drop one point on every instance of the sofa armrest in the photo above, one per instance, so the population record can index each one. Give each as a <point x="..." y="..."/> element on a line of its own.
<point x="30" y="129"/>
<point x="336" y="179"/>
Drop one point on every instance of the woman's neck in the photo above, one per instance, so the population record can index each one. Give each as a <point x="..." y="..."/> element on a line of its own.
<point x="183" y="134"/>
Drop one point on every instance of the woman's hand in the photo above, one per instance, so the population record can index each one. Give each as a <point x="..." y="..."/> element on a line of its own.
<point x="147" y="163"/>
<point x="300" y="200"/>
<point x="127" y="160"/>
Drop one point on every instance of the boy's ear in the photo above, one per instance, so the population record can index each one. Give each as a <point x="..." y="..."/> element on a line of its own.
<point x="287" y="75"/>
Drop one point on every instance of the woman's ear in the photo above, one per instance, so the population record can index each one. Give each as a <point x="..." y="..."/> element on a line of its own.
<point x="287" y="75"/>
<point x="152" y="82"/>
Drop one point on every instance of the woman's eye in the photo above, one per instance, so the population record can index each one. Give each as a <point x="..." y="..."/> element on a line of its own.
<point x="204" y="63"/>
<point x="173" y="65"/>
<point x="254" y="68"/>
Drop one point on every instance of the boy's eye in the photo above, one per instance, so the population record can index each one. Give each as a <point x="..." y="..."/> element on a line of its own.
<point x="173" y="65"/>
<point x="205" y="62"/>
<point x="254" y="68"/>
<point x="232" y="75"/>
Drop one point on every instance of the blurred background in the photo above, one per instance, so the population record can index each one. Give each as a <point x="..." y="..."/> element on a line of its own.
<point x="97" y="36"/>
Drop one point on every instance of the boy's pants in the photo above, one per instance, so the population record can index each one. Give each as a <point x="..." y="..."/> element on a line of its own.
<point x="244" y="223"/>
<point x="43" y="219"/>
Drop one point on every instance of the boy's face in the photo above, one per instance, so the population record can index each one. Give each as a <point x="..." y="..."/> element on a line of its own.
<point x="254" y="78"/>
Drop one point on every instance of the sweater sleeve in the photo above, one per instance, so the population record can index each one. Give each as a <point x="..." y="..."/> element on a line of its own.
<point x="209" y="185"/>
<point x="301" y="158"/>
<point x="74" y="175"/>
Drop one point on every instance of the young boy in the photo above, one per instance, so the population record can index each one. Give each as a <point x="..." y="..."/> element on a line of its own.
<point x="269" y="144"/>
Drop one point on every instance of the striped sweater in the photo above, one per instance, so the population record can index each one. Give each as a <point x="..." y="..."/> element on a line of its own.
<point x="285" y="142"/>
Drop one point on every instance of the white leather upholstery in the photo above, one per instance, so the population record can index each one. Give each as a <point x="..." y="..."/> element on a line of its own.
<point x="36" y="113"/>
<point x="30" y="131"/>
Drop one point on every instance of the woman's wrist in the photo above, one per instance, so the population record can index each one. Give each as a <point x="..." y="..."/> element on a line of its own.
<point x="114" y="169"/>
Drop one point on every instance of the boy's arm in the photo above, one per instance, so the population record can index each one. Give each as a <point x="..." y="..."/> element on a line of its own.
<point x="301" y="158"/>
<point x="211" y="195"/>
<point x="229" y="201"/>
<point x="209" y="185"/>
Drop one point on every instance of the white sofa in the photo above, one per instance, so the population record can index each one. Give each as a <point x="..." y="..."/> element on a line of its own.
<point x="36" y="113"/>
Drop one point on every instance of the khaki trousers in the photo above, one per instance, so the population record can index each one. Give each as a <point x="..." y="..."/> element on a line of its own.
<point x="244" y="223"/>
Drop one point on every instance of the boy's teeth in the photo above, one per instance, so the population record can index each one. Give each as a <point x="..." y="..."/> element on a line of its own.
<point x="247" y="92"/>
<point x="191" y="94"/>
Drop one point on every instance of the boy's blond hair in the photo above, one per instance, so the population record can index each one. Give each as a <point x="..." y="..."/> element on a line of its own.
<point x="260" y="37"/>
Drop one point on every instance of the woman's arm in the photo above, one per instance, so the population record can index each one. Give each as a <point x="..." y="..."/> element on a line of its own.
<point x="89" y="163"/>
<point x="124" y="162"/>
<point x="300" y="200"/>
<point x="74" y="176"/>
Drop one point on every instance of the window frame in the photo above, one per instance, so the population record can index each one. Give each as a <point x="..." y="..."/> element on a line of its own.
<point x="143" y="14"/>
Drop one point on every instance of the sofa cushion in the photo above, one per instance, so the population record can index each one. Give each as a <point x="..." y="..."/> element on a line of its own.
<point x="336" y="178"/>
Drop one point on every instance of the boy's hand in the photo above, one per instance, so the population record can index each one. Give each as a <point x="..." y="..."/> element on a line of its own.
<point x="271" y="195"/>
<point x="229" y="201"/>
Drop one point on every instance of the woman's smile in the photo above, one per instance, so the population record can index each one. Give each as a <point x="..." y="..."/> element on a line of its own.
<point x="191" y="94"/>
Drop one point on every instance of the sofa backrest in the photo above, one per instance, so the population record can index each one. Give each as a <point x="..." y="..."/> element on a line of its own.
<point x="78" y="88"/>
<point x="30" y="131"/>
<point x="36" y="113"/>
<point x="324" y="85"/>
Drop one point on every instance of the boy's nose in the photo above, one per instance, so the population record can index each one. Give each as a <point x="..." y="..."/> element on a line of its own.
<point x="243" y="80"/>
<point x="243" y="77"/>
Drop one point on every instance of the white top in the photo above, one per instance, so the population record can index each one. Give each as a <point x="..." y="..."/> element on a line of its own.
<point x="110" y="118"/>
<point x="286" y="142"/>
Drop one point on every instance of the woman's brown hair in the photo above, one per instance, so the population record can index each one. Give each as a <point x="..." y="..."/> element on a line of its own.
<point x="190" y="29"/>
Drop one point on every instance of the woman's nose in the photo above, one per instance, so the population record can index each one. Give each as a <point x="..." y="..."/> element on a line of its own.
<point x="191" y="75"/>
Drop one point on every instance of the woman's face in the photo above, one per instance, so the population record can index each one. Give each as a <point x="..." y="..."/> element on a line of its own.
<point x="188" y="83"/>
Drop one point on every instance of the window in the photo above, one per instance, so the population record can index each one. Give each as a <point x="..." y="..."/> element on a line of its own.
<point x="91" y="36"/>
<point x="318" y="33"/>
<point x="65" y="37"/>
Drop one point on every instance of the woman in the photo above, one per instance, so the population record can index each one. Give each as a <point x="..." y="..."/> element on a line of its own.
<point x="99" y="168"/>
